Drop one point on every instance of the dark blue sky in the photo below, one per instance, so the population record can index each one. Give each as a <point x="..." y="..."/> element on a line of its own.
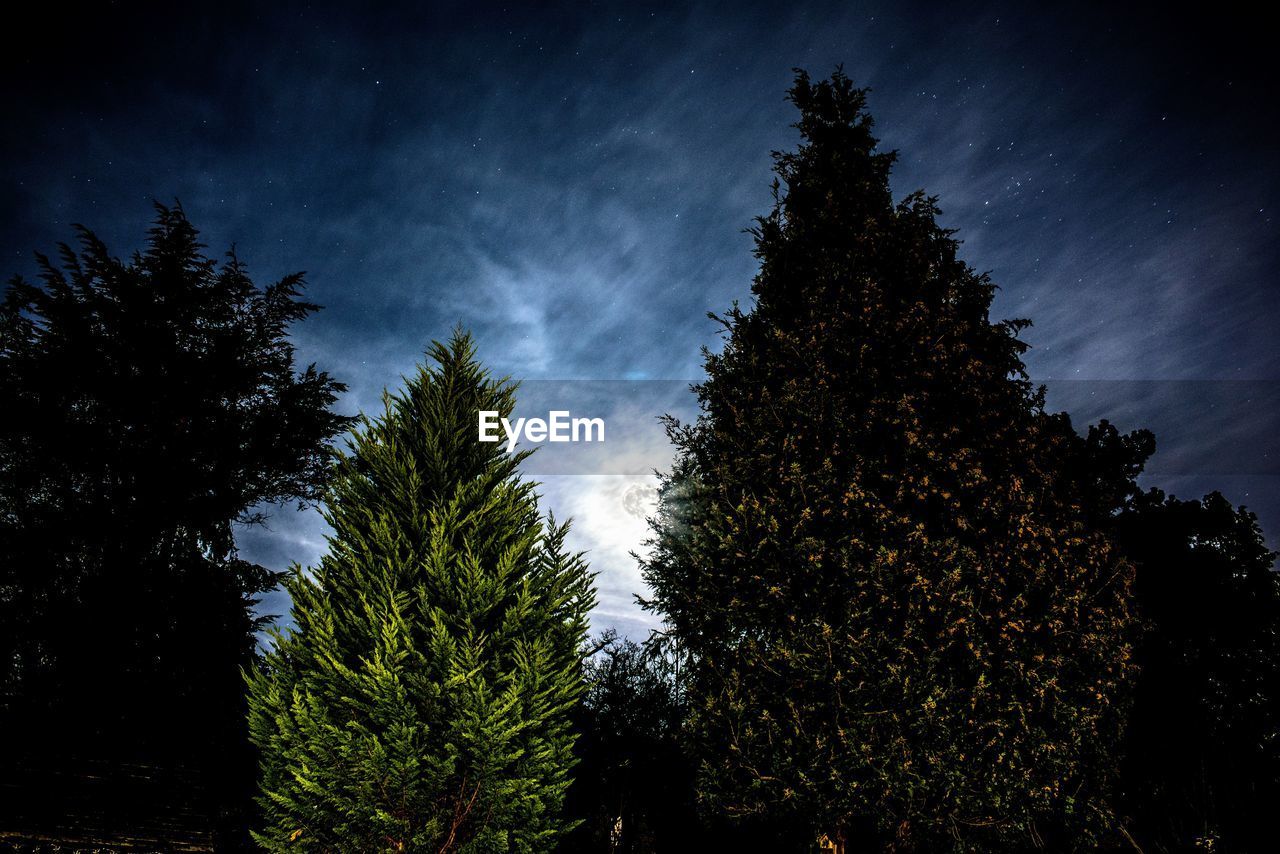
<point x="572" y="184"/>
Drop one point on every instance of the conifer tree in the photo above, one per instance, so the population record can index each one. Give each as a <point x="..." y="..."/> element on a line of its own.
<point x="903" y="628"/>
<point x="423" y="701"/>
<point x="149" y="404"/>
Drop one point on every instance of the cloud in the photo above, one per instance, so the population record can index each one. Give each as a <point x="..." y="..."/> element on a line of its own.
<point x="572" y="184"/>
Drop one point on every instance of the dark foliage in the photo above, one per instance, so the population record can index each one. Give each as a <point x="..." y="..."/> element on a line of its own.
<point x="904" y="627"/>
<point x="1201" y="752"/>
<point x="634" y="787"/>
<point x="148" y="405"/>
<point x="1203" y="746"/>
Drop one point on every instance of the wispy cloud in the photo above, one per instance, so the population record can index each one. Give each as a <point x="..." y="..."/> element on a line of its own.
<point x="573" y="185"/>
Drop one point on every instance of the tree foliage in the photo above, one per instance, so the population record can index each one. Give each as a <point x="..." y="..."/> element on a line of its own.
<point x="1202" y="763"/>
<point x="903" y="624"/>
<point x="148" y="405"/>
<point x="634" y="788"/>
<point x="423" y="700"/>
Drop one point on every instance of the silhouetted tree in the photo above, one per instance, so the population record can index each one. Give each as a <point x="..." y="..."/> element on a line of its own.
<point x="1201" y="755"/>
<point x="423" y="702"/>
<point x="1203" y="744"/>
<point x="903" y="628"/>
<point x="148" y="405"/>
<point x="634" y="787"/>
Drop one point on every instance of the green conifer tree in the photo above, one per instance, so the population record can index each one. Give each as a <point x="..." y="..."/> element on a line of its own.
<point x="904" y="631"/>
<point x="423" y="701"/>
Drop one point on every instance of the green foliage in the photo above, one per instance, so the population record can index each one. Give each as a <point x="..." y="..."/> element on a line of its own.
<point x="1203" y="743"/>
<point x="423" y="701"/>
<point x="903" y="627"/>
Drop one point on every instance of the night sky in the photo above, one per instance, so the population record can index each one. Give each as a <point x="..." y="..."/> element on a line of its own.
<point x="572" y="184"/>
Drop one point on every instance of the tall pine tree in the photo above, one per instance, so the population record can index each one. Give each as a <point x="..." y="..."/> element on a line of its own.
<point x="423" y="701"/>
<point x="904" y="631"/>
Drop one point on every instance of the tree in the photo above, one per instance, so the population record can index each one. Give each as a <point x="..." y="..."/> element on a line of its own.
<point x="1201" y="751"/>
<point x="903" y="626"/>
<point x="423" y="701"/>
<point x="1203" y="744"/>
<point x="634" y="788"/>
<point x="149" y="405"/>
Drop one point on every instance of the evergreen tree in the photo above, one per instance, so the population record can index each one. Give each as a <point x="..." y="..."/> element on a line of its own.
<point x="903" y="628"/>
<point x="423" y="701"/>
<point x="1202" y="763"/>
<point x="149" y="405"/>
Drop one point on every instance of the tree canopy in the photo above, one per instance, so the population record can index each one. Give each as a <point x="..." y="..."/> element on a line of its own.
<point x="1202" y="758"/>
<point x="903" y="625"/>
<point x="150" y="404"/>
<point x="424" y="699"/>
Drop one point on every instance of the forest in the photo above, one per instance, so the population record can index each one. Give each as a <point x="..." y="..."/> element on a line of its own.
<point x="904" y="605"/>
